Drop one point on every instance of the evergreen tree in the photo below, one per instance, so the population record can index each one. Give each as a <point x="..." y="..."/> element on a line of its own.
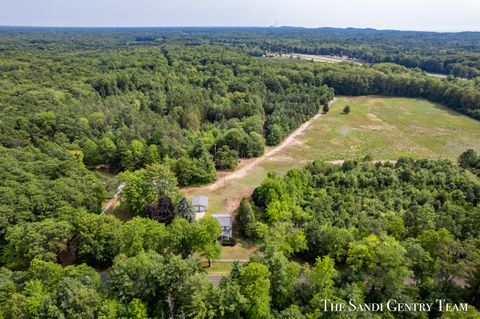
<point x="185" y="209"/>
<point x="246" y="218"/>
<point x="325" y="108"/>
<point x="469" y="159"/>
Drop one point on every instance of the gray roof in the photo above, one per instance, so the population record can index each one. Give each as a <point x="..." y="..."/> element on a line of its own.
<point x="225" y="220"/>
<point x="200" y="201"/>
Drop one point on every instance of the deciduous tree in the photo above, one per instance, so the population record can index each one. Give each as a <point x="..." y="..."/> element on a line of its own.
<point x="255" y="286"/>
<point x="43" y="240"/>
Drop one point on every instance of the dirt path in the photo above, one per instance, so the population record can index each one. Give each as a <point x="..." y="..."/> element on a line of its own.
<point x="111" y="203"/>
<point x="242" y="171"/>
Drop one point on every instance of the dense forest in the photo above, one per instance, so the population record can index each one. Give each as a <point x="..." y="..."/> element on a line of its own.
<point x="407" y="231"/>
<point x="167" y="108"/>
<point x="445" y="53"/>
<point x="368" y="232"/>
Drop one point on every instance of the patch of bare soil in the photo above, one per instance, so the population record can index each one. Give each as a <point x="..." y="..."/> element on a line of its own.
<point x="373" y="117"/>
<point x="110" y="205"/>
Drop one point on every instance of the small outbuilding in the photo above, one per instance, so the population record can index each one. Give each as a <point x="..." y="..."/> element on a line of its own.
<point x="200" y="205"/>
<point x="225" y="221"/>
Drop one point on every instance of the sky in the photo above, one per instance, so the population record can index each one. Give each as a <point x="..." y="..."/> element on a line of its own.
<point x="431" y="15"/>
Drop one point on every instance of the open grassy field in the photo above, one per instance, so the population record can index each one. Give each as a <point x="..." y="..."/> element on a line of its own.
<point x="384" y="128"/>
<point x="316" y="58"/>
<point x="387" y="128"/>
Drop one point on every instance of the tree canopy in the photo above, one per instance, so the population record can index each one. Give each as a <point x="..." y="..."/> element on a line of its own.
<point x="166" y="108"/>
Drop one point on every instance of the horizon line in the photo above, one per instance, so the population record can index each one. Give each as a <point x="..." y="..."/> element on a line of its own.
<point x="234" y="26"/>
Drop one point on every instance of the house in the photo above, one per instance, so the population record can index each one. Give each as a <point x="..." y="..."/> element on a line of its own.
<point x="200" y="204"/>
<point x="225" y="221"/>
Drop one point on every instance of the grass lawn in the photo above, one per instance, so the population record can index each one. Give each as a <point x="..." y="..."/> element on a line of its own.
<point x="219" y="268"/>
<point x="239" y="251"/>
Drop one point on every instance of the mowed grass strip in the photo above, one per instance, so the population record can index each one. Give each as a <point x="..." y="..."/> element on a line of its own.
<point x="217" y="268"/>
